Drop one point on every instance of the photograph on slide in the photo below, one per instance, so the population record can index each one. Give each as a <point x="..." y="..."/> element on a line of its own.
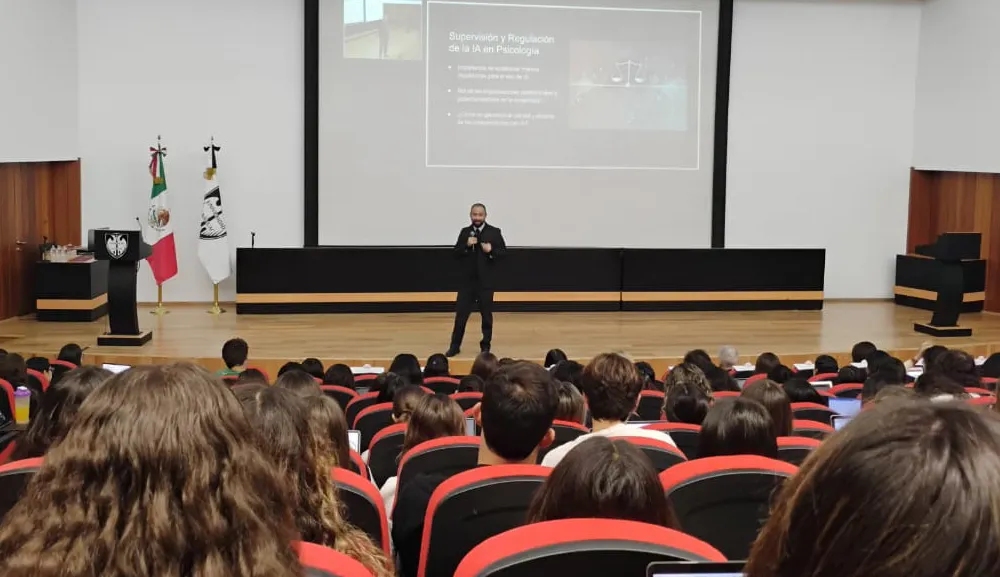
<point x="383" y="29"/>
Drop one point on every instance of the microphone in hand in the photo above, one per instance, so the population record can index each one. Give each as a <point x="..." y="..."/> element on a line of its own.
<point x="473" y="239"/>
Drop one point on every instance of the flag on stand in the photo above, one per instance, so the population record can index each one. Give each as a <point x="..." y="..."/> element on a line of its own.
<point x="213" y="242"/>
<point x="159" y="232"/>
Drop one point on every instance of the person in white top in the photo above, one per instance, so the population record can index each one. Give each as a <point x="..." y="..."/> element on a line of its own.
<point x="611" y="385"/>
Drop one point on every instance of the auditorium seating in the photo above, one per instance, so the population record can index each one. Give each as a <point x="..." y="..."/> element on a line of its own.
<point x="471" y="507"/>
<point x="467" y="400"/>
<point x="8" y="442"/>
<point x="319" y="561"/>
<point x="40" y="378"/>
<point x="6" y="400"/>
<point x="359" y="404"/>
<point x="794" y="450"/>
<point x="978" y="391"/>
<point x="754" y="379"/>
<point x="357" y="465"/>
<point x="725" y="394"/>
<point x="447" y="455"/>
<point x="383" y="452"/>
<point x="812" y="429"/>
<point x="342" y="395"/>
<point x="663" y="455"/>
<point x="847" y="390"/>
<point x="812" y="412"/>
<point x="725" y="500"/>
<point x="443" y="385"/>
<point x="565" y="431"/>
<point x="363" y="506"/>
<point x="358" y="379"/>
<point x="823" y="377"/>
<point x="371" y="420"/>
<point x="571" y="547"/>
<point x="685" y="436"/>
<point x="650" y="406"/>
<point x="14" y="478"/>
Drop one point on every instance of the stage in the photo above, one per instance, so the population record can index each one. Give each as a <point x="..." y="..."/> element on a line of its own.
<point x="188" y="332"/>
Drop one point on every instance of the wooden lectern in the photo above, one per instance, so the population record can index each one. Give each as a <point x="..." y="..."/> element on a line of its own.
<point x="948" y="253"/>
<point x="123" y="249"/>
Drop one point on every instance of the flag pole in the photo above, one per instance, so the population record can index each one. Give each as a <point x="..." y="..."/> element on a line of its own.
<point x="160" y="310"/>
<point x="216" y="309"/>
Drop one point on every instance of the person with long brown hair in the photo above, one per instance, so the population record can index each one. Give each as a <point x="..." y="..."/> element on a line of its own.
<point x="283" y="432"/>
<point x="435" y="416"/>
<point x="155" y="477"/>
<point x="603" y="478"/>
<point x="774" y="398"/>
<point x="329" y="424"/>
<point x="57" y="411"/>
<point x="738" y="426"/>
<point x="908" y="489"/>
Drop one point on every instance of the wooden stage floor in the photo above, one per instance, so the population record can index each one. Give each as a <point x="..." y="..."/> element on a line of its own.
<point x="189" y="333"/>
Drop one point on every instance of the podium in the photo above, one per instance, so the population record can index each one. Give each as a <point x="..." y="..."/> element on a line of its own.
<point x="123" y="249"/>
<point x="950" y="250"/>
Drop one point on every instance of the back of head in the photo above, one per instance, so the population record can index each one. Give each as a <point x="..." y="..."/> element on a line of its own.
<point x="437" y="366"/>
<point x="850" y="374"/>
<point x="800" y="391"/>
<point x="299" y="382"/>
<point x="958" y="366"/>
<point x="826" y="364"/>
<point x="647" y="373"/>
<point x="571" y="405"/>
<point x="407" y="366"/>
<point x="728" y="357"/>
<point x="251" y="377"/>
<point x="737" y="426"/>
<point x="612" y="386"/>
<point x="569" y="372"/>
<point x="234" y="352"/>
<point x="700" y="359"/>
<point x="518" y="407"/>
<point x="405" y="401"/>
<point x="686" y="402"/>
<point x="57" y="411"/>
<point x="314" y="367"/>
<point x="329" y="428"/>
<point x="991" y="368"/>
<point x="766" y="362"/>
<point x="932" y="353"/>
<point x="554" y="357"/>
<point x="484" y="366"/>
<point x="935" y="384"/>
<point x="470" y="384"/>
<point x="13" y="369"/>
<point x="291" y="366"/>
<point x="780" y="374"/>
<point x="906" y="490"/>
<point x="386" y="386"/>
<point x="433" y="417"/>
<point x="721" y="380"/>
<point x="861" y="350"/>
<point x="877" y="382"/>
<point x="339" y="375"/>
<point x="773" y="397"/>
<point x="894" y="393"/>
<point x="155" y="474"/>
<point x="687" y="374"/>
<point x="71" y="353"/>
<point x="603" y="478"/>
<point x="890" y="367"/>
<point x="40" y="364"/>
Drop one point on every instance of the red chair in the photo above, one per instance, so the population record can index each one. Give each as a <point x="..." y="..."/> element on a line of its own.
<point x="794" y="450"/>
<point x="684" y="435"/>
<point x="823" y="377"/>
<point x="363" y="506"/>
<point x="43" y="381"/>
<point x="14" y="477"/>
<point x="811" y="429"/>
<point x="357" y="465"/>
<point x="812" y="412"/>
<point x="754" y="379"/>
<point x="582" y="547"/>
<point x="8" y="443"/>
<point x="7" y="397"/>
<point x="64" y="364"/>
<point x="566" y="432"/>
<point x="231" y="381"/>
<point x="320" y="561"/>
<point x="447" y="456"/>
<point x="661" y="454"/>
<point x="371" y="420"/>
<point x="984" y="401"/>
<point x="365" y="377"/>
<point x="847" y="390"/>
<point x="725" y="500"/>
<point x="471" y="507"/>
<point x="467" y="400"/>
<point x="650" y="406"/>
<point x="988" y="381"/>
<point x="725" y="394"/>
<point x="978" y="391"/>
<point x="443" y="385"/>
<point x="342" y="395"/>
<point x="359" y="404"/>
<point x="383" y="452"/>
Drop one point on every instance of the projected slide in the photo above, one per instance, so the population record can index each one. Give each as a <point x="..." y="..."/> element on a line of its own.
<point x="383" y="29"/>
<point x="539" y="86"/>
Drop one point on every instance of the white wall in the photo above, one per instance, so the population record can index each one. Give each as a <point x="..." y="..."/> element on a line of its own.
<point x="191" y="69"/>
<point x="958" y="87"/>
<point x="821" y="133"/>
<point x="38" y="80"/>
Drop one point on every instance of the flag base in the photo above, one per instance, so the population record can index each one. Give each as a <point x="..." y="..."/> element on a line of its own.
<point x="109" y="340"/>
<point x="216" y="309"/>
<point x="159" y="310"/>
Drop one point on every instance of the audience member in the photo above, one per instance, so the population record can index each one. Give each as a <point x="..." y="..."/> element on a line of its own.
<point x="773" y="398"/>
<point x="251" y="377"/>
<point x="314" y="367"/>
<point x="687" y="373"/>
<point x="850" y="375"/>
<point x="299" y="382"/>
<point x="57" y="411"/>
<point x="339" y="375"/>
<point x="519" y="404"/>
<point x="648" y="374"/>
<point x="894" y="393"/>
<point x="686" y="402"/>
<point x="889" y="367"/>
<point x="729" y="357"/>
<point x="569" y="372"/>
<point x="721" y="380"/>
<point x="405" y="401"/>
<point x="825" y="364"/>
<point x="329" y="428"/>
<point x="861" y="350"/>
<point x="874" y="361"/>
<point x="958" y="366"/>
<point x="470" y="384"/>
<point x="408" y="367"/>
<point x="780" y="374"/>
<point x="71" y="353"/>
<point x="737" y="426"/>
<point x="800" y="391"/>
<point x="386" y="386"/>
<point x="13" y="370"/>
<point x="40" y="364"/>
<point x="437" y="366"/>
<point x="611" y="385"/>
<point x="554" y="357"/>
<point x="876" y="383"/>
<point x="571" y="405"/>
<point x="604" y="479"/>
<point x="936" y="385"/>
<point x="765" y="363"/>
<point x="291" y="366"/>
<point x="234" y="354"/>
<point x="484" y="366"/>
<point x="700" y="359"/>
<point x="155" y="477"/>
<point x="990" y="368"/>
<point x="926" y="353"/>
<point x="909" y="489"/>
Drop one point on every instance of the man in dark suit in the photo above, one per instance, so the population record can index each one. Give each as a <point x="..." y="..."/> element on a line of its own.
<point x="478" y="247"/>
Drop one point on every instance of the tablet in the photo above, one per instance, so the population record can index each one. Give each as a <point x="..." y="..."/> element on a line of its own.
<point x="354" y="440"/>
<point x="839" y="422"/>
<point x="845" y="407"/>
<point x="688" y="569"/>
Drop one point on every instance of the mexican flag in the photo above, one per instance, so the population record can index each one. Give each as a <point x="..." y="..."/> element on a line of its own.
<point x="158" y="230"/>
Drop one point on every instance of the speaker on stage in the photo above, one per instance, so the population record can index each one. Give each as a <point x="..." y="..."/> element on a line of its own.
<point x="123" y="249"/>
<point x="949" y="251"/>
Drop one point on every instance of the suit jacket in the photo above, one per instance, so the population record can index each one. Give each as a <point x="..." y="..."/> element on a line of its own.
<point x="477" y="266"/>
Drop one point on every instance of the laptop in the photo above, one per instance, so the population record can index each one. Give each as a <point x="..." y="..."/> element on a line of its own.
<point x="690" y="569"/>
<point x="845" y="407"/>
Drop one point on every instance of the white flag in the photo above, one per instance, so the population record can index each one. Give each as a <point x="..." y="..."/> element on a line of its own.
<point x="213" y="245"/>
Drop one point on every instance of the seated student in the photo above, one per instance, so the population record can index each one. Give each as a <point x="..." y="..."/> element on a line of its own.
<point x="877" y="382"/>
<point x="611" y="385"/>
<point x="937" y="386"/>
<point x="800" y="391"/>
<point x="765" y="363"/>
<point x="569" y="372"/>
<point x="860" y="351"/>
<point x="291" y="366"/>
<point x="339" y="375"/>
<point x="700" y="359"/>
<point x="721" y="380"/>
<point x="437" y="366"/>
<point x="71" y="353"/>
<point x="604" y="479"/>
<point x="40" y="364"/>
<point x="329" y="427"/>
<point x="252" y="377"/>
<point x="825" y="364"/>
<point x="571" y="406"/>
<point x="314" y="367"/>
<point x="554" y="357"/>
<point x="404" y="401"/>
<point x="689" y="374"/>
<point x="280" y="419"/>
<point x="484" y="366"/>
<point x="991" y="368"/>
<point x="299" y="382"/>
<point x="519" y="404"/>
<point x="408" y="367"/>
<point x="850" y="374"/>
<point x="433" y="417"/>
<point x="13" y="370"/>
<point x="738" y="426"/>
<point x="234" y="354"/>
<point x="386" y="386"/>
<point x="773" y="397"/>
<point x="470" y="384"/>
<point x="57" y="410"/>
<point x="895" y="393"/>
<point x="686" y="403"/>
<point x="908" y="489"/>
<point x="134" y="488"/>
<point x="958" y="366"/>
<point x="729" y="357"/>
<point x="890" y="367"/>
<point x="648" y="375"/>
<point x="780" y="374"/>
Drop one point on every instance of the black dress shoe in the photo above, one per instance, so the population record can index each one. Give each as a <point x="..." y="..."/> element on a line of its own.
<point x="452" y="352"/>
